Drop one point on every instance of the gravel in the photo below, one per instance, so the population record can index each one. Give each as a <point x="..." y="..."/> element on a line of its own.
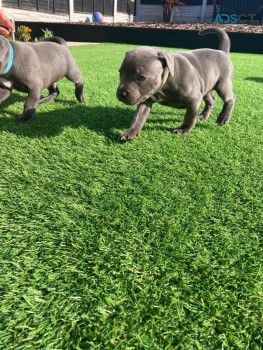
<point x="244" y="28"/>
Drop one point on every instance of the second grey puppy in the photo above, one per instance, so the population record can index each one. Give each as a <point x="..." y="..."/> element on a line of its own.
<point x="32" y="67"/>
<point x="179" y="80"/>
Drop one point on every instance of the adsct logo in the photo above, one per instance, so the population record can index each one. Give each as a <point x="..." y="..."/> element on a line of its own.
<point x="224" y="18"/>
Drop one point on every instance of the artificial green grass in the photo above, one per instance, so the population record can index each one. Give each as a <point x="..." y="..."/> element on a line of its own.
<point x="151" y="244"/>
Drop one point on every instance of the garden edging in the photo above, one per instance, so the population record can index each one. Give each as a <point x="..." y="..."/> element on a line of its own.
<point x="188" y="39"/>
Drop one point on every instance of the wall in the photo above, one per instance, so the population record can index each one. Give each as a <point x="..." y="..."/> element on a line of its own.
<point x="34" y="16"/>
<point x="182" y="14"/>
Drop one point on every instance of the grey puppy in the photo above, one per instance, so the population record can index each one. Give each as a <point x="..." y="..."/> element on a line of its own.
<point x="179" y="80"/>
<point x="32" y="67"/>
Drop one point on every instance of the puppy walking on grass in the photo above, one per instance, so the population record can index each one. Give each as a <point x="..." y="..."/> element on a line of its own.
<point x="179" y="80"/>
<point x="32" y="67"/>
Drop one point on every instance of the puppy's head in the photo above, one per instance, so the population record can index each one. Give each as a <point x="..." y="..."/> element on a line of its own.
<point x="142" y="74"/>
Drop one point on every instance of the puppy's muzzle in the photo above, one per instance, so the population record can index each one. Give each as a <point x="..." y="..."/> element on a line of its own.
<point x="124" y="95"/>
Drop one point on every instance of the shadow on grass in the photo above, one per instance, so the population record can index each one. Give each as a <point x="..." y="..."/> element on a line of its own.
<point x="255" y="79"/>
<point x="102" y="120"/>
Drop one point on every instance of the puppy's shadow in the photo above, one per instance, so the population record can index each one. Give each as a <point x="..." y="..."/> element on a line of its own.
<point x="102" y="120"/>
<point x="167" y="121"/>
<point x="107" y="121"/>
<point x="255" y="79"/>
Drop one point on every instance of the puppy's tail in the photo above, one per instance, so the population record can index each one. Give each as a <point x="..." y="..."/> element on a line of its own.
<point x="56" y="39"/>
<point x="224" y="39"/>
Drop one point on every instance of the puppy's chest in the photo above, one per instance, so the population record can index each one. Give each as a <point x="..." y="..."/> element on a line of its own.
<point x="10" y="85"/>
<point x="5" y="84"/>
<point x="167" y="99"/>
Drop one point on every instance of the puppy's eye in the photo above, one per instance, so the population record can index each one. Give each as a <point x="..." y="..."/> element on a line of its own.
<point x="141" y="77"/>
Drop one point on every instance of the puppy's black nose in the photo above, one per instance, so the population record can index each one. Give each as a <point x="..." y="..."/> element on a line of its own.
<point x="122" y="94"/>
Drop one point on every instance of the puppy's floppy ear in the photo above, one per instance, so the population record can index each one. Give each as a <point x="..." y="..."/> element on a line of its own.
<point x="127" y="53"/>
<point x="167" y="60"/>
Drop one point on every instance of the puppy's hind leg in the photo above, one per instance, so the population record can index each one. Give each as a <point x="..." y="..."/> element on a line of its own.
<point x="75" y="76"/>
<point x="79" y="92"/>
<point x="209" y="104"/>
<point x="53" y="93"/>
<point x="225" y="91"/>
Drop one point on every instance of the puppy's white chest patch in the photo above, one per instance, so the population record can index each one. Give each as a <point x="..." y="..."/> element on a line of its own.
<point x="6" y="84"/>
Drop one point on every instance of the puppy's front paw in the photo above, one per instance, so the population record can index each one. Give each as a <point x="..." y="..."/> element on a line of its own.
<point x="128" y="135"/>
<point x="222" y="119"/>
<point x="22" y="119"/>
<point x="181" y="130"/>
<point x="202" y="117"/>
<point x="29" y="114"/>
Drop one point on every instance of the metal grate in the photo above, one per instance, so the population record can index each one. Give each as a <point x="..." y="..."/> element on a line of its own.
<point x="62" y="6"/>
<point x="50" y="6"/>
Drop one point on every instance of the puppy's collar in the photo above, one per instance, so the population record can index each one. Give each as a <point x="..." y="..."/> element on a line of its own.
<point x="165" y="76"/>
<point x="10" y="60"/>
